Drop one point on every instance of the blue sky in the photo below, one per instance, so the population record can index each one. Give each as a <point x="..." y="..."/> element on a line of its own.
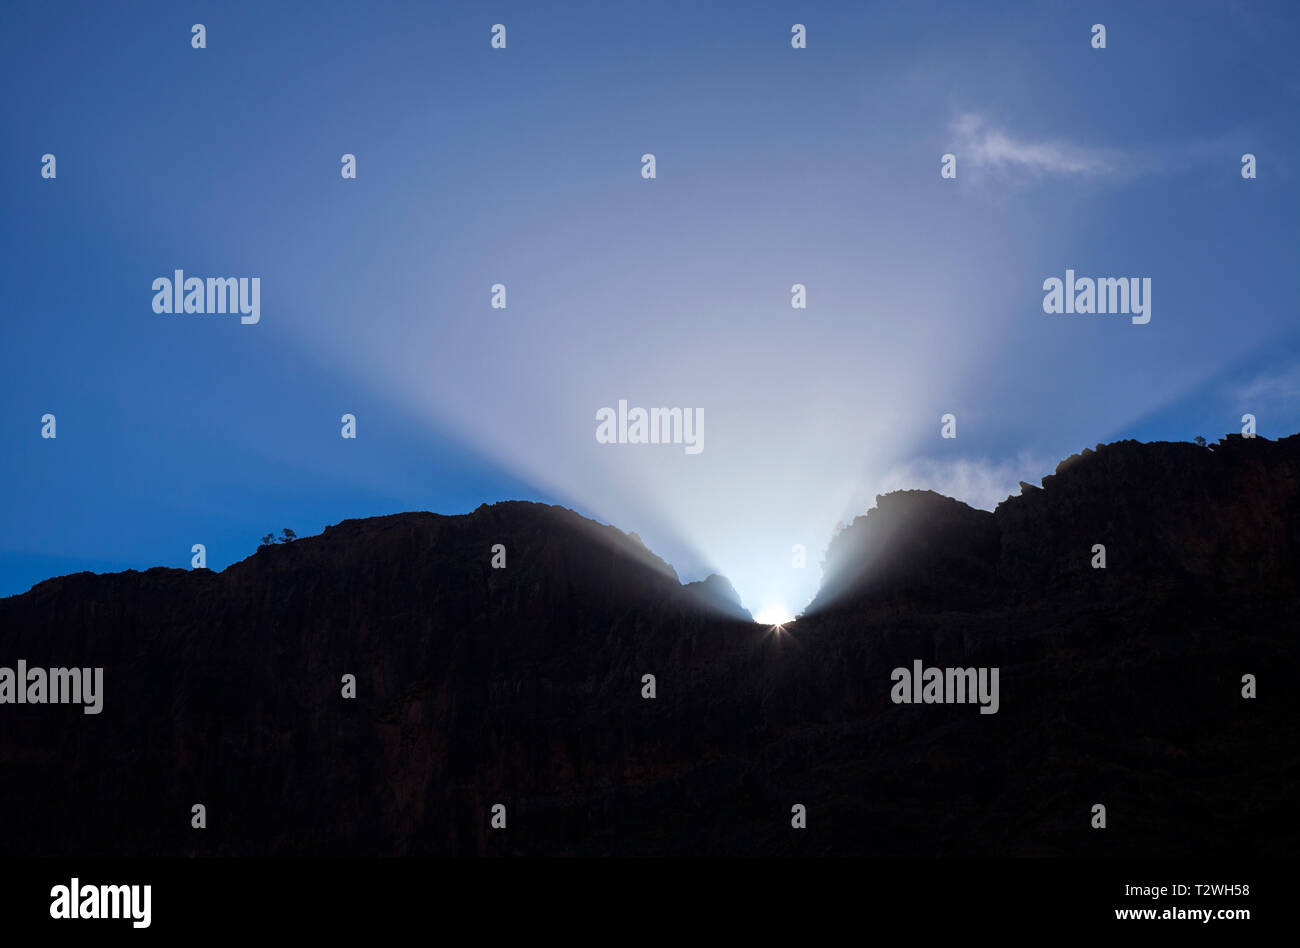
<point x="522" y="166"/>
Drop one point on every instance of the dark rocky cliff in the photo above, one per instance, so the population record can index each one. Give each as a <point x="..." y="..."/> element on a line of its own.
<point x="523" y="685"/>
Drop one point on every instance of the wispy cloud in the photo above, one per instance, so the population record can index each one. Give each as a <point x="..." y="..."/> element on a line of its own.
<point x="985" y="146"/>
<point x="1270" y="388"/>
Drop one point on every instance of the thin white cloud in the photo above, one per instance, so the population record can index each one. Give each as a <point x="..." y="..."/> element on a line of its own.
<point x="1270" y="388"/>
<point x="985" y="146"/>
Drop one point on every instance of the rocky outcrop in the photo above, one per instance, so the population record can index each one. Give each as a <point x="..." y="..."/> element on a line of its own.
<point x="717" y="594"/>
<point x="915" y="547"/>
<point x="1166" y="513"/>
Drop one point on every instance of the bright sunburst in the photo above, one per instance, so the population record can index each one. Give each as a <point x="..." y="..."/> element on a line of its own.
<point x="774" y="614"/>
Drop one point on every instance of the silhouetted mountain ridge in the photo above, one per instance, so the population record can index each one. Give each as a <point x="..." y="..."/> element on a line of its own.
<point x="1166" y="509"/>
<point x="526" y="685"/>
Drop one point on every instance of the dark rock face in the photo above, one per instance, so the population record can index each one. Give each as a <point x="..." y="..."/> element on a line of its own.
<point x="914" y="547"/>
<point x="716" y="592"/>
<point x="523" y="685"/>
